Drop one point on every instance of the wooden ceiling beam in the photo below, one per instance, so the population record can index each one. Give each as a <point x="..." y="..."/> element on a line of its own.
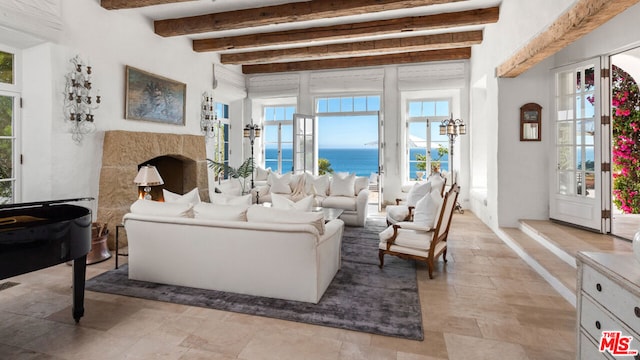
<point x="350" y="31"/>
<point x="377" y="47"/>
<point x="341" y="63"/>
<point x="130" y="4"/>
<point x="582" y="18"/>
<point x="284" y="13"/>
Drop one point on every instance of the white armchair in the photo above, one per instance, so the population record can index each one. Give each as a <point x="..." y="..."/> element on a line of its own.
<point x="420" y="242"/>
<point x="403" y="210"/>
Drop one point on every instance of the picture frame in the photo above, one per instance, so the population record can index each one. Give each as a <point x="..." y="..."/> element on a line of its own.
<point x="530" y="122"/>
<point x="151" y="97"/>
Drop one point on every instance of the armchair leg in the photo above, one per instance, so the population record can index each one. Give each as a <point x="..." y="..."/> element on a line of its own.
<point x="381" y="256"/>
<point x="430" y="265"/>
<point x="444" y="255"/>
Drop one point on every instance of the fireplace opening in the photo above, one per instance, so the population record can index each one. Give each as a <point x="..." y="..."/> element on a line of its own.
<point x="177" y="172"/>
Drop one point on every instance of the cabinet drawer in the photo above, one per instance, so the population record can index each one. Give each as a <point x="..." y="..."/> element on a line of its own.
<point x="621" y="303"/>
<point x="594" y="320"/>
<point x="589" y="350"/>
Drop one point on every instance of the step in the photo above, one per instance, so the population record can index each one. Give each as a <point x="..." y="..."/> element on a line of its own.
<point x="558" y="269"/>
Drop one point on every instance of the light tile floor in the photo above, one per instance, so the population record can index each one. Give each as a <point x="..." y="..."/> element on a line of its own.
<point x="485" y="303"/>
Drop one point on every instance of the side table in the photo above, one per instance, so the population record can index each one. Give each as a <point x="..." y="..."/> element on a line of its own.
<point x="117" y="253"/>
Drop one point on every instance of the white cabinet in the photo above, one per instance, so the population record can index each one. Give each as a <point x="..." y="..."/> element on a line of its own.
<point x="608" y="299"/>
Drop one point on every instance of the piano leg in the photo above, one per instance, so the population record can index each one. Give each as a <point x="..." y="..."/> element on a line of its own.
<point x="79" y="275"/>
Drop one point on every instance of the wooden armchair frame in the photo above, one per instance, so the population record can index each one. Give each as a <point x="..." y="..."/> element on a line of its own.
<point x="438" y="236"/>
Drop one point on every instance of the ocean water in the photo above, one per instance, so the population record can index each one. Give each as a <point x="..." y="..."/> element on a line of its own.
<point x="362" y="162"/>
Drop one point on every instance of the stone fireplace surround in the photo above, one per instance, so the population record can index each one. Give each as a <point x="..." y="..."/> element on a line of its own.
<point x="180" y="159"/>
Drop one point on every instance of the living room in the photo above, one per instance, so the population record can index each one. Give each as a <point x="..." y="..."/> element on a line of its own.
<point x="502" y="179"/>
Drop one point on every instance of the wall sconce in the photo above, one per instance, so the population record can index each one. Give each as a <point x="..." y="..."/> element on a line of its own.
<point x="209" y="123"/>
<point x="148" y="176"/>
<point x="78" y="104"/>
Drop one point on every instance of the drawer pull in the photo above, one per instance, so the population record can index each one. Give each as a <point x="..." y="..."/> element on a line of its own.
<point x="598" y="287"/>
<point x="636" y="310"/>
<point x="598" y="325"/>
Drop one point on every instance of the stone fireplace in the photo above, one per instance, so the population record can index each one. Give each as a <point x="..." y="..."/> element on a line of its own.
<point x="180" y="160"/>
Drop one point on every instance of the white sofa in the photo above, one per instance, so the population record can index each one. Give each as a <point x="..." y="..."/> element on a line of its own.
<point x="326" y="191"/>
<point x="261" y="256"/>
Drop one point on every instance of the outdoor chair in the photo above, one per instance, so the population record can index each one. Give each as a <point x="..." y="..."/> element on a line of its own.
<point x="419" y="242"/>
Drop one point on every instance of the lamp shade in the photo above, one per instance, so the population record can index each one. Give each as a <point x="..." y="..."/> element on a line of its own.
<point x="148" y="176"/>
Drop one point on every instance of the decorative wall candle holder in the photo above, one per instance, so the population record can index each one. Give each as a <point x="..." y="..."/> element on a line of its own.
<point x="208" y="118"/>
<point x="79" y="104"/>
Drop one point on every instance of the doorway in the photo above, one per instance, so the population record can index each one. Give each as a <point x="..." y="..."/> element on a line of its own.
<point x="625" y="143"/>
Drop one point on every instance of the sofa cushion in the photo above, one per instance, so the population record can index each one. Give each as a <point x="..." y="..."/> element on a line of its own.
<point x="220" y="212"/>
<point x="340" y="202"/>
<point x="428" y="209"/>
<point x="192" y="197"/>
<point x="417" y="192"/>
<point x="155" y="208"/>
<point x="222" y="199"/>
<point x="258" y="213"/>
<point x="342" y="186"/>
<point x="282" y="202"/>
<point x="280" y="183"/>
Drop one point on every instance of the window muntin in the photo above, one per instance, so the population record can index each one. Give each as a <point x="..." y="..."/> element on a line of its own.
<point x="7" y="149"/>
<point x="348" y="104"/>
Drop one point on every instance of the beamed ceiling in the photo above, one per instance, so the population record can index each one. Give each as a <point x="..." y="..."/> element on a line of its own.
<point x="266" y="36"/>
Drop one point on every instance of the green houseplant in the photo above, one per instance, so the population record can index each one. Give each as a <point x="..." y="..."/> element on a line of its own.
<point x="435" y="163"/>
<point x="241" y="173"/>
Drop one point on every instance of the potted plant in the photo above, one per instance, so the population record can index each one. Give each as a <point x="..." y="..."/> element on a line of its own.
<point x="435" y="163"/>
<point x="241" y="173"/>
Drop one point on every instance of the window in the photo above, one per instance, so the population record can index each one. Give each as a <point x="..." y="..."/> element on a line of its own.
<point x="348" y="104"/>
<point x="221" y="138"/>
<point x="9" y="108"/>
<point x="278" y="137"/>
<point x="427" y="151"/>
<point x="6" y="67"/>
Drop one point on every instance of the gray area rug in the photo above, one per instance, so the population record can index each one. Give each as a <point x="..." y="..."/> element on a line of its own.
<point x="361" y="297"/>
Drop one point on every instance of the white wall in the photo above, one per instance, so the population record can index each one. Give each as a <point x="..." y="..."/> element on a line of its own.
<point x="56" y="167"/>
<point x="491" y="146"/>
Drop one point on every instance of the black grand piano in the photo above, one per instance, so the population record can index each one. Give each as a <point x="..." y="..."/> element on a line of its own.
<point x="37" y="235"/>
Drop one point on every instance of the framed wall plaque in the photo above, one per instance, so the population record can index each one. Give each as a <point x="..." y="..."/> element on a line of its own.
<point x="530" y="122"/>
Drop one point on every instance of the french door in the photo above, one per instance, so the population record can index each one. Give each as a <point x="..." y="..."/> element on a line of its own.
<point x="304" y="144"/>
<point x="577" y="179"/>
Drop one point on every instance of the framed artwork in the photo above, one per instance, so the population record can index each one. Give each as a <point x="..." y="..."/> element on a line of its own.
<point x="530" y="122"/>
<point x="154" y="98"/>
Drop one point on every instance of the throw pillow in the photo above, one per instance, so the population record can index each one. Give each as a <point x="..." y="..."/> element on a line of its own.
<point x="155" y="208"/>
<point x="192" y="197"/>
<point x="280" y="183"/>
<point x="417" y="192"/>
<point x="222" y="199"/>
<point x="220" y="212"/>
<point x="262" y="214"/>
<point x="317" y="185"/>
<point x="427" y="210"/>
<point x="437" y="183"/>
<point x="262" y="174"/>
<point x="281" y="202"/>
<point x="229" y="187"/>
<point x="342" y="186"/>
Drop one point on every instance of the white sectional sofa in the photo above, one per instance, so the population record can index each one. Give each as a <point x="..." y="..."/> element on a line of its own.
<point x="270" y="252"/>
<point x="347" y="192"/>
